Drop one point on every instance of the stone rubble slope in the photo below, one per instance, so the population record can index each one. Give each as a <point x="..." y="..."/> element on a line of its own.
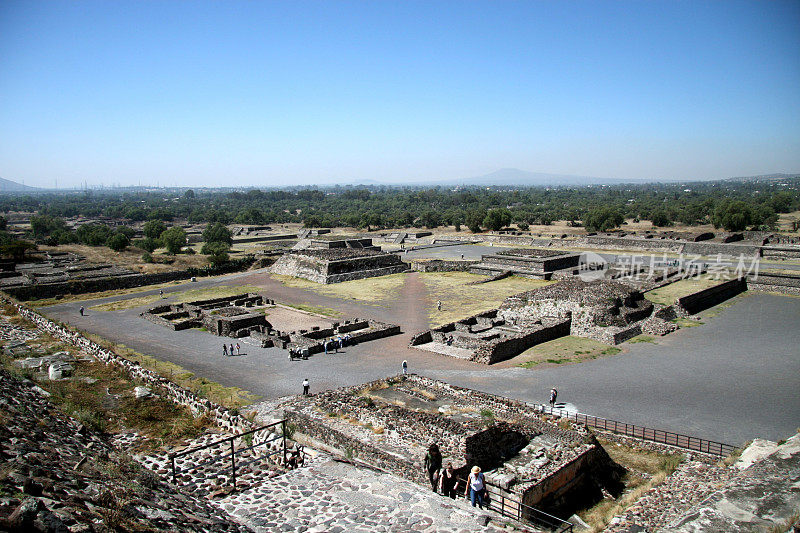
<point x="758" y="492"/>
<point x="58" y="475"/>
<point x="764" y="494"/>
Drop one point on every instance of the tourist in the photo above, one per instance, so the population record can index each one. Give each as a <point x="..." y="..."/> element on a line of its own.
<point x="433" y="464"/>
<point x="81" y="310"/>
<point x="325" y="346"/>
<point x="448" y="481"/>
<point x="438" y="305"/>
<point x="224" y="349"/>
<point x="475" y="487"/>
<point x="405" y="367"/>
<point x="305" y="387"/>
<point x="231" y="348"/>
<point x="161" y="293"/>
<point x="553" y="396"/>
<point x="450" y="340"/>
<point x="238" y="349"/>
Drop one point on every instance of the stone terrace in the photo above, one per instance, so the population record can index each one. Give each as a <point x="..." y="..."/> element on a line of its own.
<point x="390" y="423"/>
<point x="335" y="265"/>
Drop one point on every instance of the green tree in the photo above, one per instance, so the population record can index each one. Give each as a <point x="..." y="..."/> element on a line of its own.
<point x="217" y="252"/>
<point x="660" y="218"/>
<point x="217" y="232"/>
<point x="118" y="242"/>
<point x="603" y="219"/>
<point x="147" y="244"/>
<point x="16" y="249"/>
<point x="93" y="234"/>
<point x="154" y="229"/>
<point x="732" y="215"/>
<point x="189" y="194"/>
<point x="174" y="239"/>
<point x="497" y="219"/>
<point x="474" y="219"/>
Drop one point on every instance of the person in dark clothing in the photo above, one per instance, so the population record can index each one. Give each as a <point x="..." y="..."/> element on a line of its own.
<point x="447" y="482"/>
<point x="433" y="464"/>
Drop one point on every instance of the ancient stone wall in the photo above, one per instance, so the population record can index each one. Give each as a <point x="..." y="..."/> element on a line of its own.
<point x="438" y="265"/>
<point x="511" y="347"/>
<point x="52" y="290"/>
<point x="347" y="445"/>
<point x="782" y="283"/>
<point x="701" y="300"/>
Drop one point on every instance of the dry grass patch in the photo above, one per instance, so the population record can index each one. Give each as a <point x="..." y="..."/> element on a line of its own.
<point x="370" y="290"/>
<point x="191" y="295"/>
<point x="646" y="469"/>
<point x="563" y="350"/>
<point x="669" y="293"/>
<point x="132" y="258"/>
<point x="461" y="300"/>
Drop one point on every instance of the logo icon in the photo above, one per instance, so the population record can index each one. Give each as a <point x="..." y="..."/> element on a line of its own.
<point x="592" y="266"/>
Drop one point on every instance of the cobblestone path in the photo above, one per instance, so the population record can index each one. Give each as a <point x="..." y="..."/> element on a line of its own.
<point x="335" y="497"/>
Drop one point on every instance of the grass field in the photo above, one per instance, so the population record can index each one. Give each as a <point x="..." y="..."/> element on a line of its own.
<point x="669" y="293"/>
<point x="460" y="300"/>
<point x="564" y="350"/>
<point x="370" y="290"/>
<point x="206" y="293"/>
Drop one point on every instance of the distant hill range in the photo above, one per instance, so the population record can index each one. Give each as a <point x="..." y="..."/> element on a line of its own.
<point x="515" y="176"/>
<point x="13" y="186"/>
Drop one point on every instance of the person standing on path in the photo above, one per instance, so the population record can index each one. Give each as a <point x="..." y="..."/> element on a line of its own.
<point x="438" y="305"/>
<point x="81" y="310"/>
<point x="475" y="486"/>
<point x="405" y="367"/>
<point x="161" y="293"/>
<point x="553" y="397"/>
<point x="305" y="387"/>
<point x="448" y="481"/>
<point x="238" y="349"/>
<point x="231" y="349"/>
<point x="224" y="349"/>
<point x="433" y="464"/>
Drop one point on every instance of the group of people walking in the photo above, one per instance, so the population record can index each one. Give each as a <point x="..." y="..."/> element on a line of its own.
<point x="446" y="481"/>
<point x="227" y="352"/>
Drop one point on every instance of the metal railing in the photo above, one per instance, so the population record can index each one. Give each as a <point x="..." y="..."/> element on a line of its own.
<point x="512" y="507"/>
<point x="232" y="453"/>
<point x="639" y="432"/>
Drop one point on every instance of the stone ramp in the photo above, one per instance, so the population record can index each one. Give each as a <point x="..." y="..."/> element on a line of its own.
<point x="331" y="496"/>
<point x="444" y="349"/>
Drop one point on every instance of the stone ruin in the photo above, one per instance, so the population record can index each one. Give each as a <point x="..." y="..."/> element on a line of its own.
<point x="528" y="262"/>
<point x="390" y="423"/>
<point x="603" y="310"/>
<point x="56" y="267"/>
<point x="231" y="316"/>
<point x="335" y="264"/>
<point x="243" y="316"/>
<point x="310" y="342"/>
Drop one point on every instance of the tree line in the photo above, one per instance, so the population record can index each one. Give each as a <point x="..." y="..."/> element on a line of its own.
<point x="731" y="205"/>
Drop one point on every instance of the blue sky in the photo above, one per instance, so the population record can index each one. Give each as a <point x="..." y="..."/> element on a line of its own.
<point x="283" y="93"/>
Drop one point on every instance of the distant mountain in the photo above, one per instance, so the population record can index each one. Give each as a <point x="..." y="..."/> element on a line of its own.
<point x="13" y="186"/>
<point x="515" y="176"/>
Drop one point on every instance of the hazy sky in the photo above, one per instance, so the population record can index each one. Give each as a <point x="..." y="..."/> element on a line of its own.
<point x="276" y="93"/>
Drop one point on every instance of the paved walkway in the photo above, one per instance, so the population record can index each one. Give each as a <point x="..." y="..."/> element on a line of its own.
<point x="335" y="497"/>
<point x="732" y="379"/>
